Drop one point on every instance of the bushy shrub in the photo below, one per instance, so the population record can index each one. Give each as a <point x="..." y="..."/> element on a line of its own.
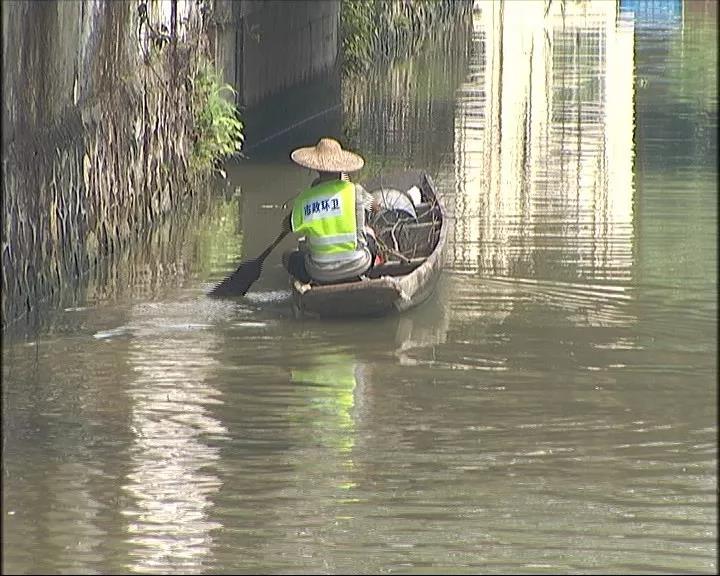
<point x="218" y="129"/>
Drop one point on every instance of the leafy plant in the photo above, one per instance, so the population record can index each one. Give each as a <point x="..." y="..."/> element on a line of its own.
<point x="218" y="128"/>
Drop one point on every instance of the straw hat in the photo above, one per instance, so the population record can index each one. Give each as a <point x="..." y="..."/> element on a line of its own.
<point x="327" y="156"/>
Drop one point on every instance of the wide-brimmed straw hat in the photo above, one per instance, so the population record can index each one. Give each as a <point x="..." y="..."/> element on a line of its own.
<point x="327" y="156"/>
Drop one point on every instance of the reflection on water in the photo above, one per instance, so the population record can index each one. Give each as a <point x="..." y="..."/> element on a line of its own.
<point x="402" y="114"/>
<point x="331" y="380"/>
<point x="171" y="481"/>
<point x="74" y="504"/>
<point x="418" y="334"/>
<point x="544" y="158"/>
<point x="544" y="143"/>
<point x="204" y="239"/>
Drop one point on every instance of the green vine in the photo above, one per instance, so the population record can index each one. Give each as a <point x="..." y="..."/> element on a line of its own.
<point x="218" y="130"/>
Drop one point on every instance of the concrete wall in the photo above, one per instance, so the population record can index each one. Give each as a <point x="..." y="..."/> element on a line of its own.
<point x="266" y="46"/>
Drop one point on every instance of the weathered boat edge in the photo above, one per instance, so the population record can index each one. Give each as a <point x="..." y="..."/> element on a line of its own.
<point x="432" y="267"/>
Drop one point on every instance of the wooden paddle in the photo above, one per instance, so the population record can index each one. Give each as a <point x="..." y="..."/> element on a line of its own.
<point x="239" y="282"/>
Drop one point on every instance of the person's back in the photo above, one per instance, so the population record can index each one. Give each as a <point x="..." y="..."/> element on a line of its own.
<point x="331" y="216"/>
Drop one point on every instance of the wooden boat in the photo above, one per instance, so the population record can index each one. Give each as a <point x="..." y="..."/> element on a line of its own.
<point x="412" y="245"/>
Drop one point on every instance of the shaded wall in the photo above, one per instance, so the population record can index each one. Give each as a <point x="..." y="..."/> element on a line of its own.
<point x="97" y="120"/>
<point x="265" y="46"/>
<point x="282" y="58"/>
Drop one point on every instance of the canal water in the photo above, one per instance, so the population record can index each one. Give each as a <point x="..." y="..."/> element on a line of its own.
<point x="552" y="409"/>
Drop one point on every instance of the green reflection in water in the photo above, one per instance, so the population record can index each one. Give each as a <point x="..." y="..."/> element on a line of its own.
<point x="332" y="390"/>
<point x="692" y="62"/>
<point x="220" y="237"/>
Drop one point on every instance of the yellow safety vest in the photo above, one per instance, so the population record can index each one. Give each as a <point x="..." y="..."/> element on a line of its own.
<point x="325" y="214"/>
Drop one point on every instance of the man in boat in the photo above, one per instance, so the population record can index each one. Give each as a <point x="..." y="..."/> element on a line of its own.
<point x="338" y="245"/>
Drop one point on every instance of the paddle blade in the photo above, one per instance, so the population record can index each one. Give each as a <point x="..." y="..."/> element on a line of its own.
<point x="239" y="282"/>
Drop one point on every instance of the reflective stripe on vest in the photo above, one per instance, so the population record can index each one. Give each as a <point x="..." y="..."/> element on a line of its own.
<point x="326" y="215"/>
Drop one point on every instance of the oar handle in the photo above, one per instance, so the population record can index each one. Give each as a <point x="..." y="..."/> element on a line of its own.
<point x="270" y="248"/>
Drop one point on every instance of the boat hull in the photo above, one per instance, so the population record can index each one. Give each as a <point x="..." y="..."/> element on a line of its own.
<point x="395" y="287"/>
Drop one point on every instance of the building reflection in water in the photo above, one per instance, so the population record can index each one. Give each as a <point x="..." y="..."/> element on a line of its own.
<point x="544" y="143"/>
<point x="172" y="476"/>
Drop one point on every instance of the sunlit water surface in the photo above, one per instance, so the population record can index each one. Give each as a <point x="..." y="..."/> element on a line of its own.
<point x="552" y="409"/>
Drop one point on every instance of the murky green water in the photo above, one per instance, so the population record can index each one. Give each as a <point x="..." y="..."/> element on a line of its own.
<point x="552" y="410"/>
